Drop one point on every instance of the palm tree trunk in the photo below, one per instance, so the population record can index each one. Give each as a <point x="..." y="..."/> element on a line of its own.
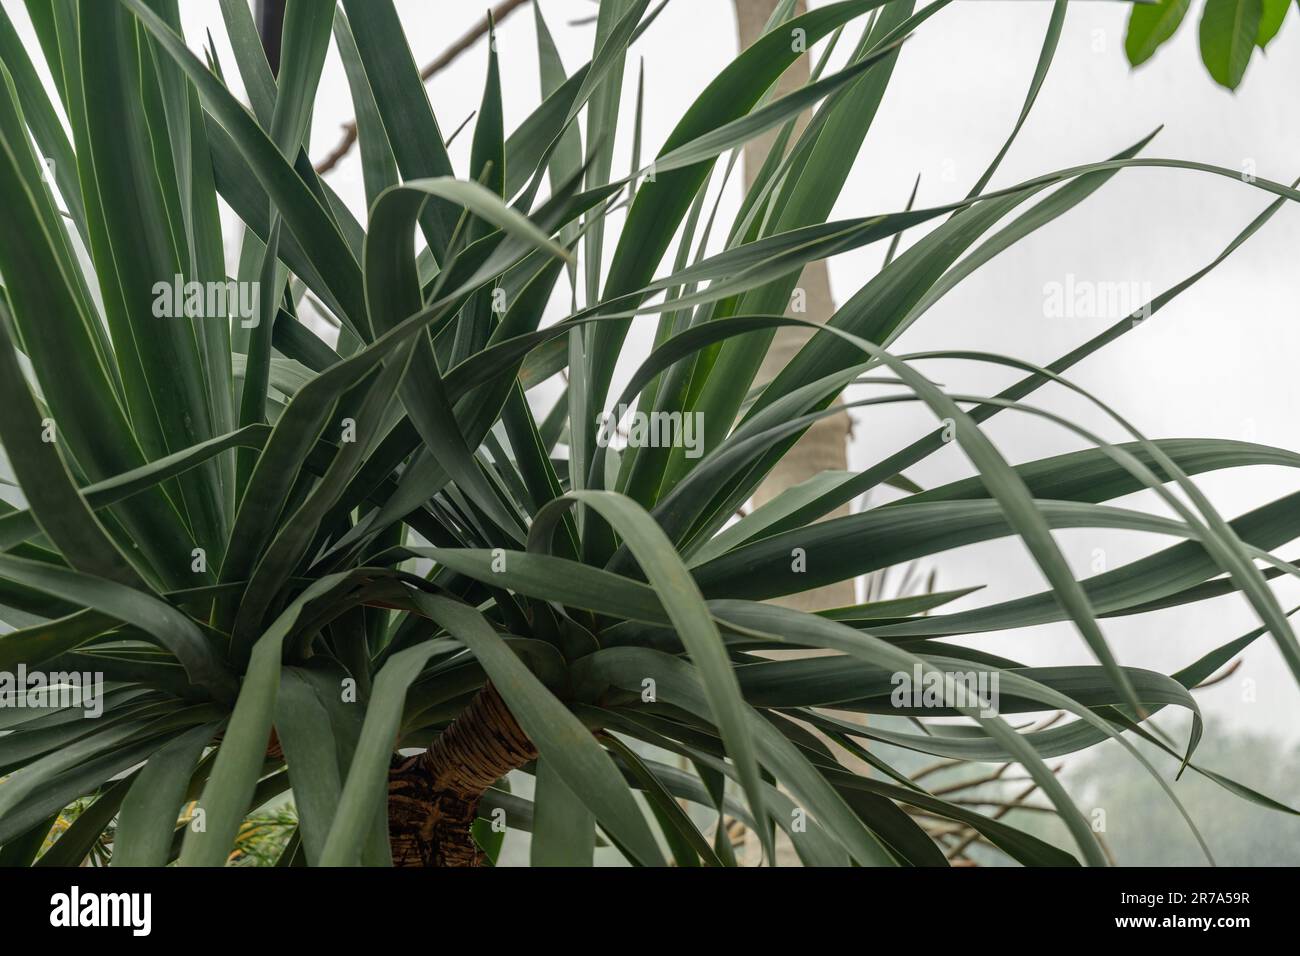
<point x="433" y="797"/>
<point x="824" y="446"/>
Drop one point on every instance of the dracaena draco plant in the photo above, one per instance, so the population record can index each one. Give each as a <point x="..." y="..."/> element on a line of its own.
<point x="373" y="574"/>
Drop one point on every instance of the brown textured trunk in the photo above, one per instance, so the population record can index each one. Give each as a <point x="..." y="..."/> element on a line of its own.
<point x="433" y="797"/>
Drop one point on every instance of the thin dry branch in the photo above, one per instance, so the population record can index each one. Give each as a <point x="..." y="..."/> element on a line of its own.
<point x="1018" y="799"/>
<point x="969" y="784"/>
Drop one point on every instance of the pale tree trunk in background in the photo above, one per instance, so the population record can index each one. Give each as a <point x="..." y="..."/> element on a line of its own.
<point x="824" y="446"/>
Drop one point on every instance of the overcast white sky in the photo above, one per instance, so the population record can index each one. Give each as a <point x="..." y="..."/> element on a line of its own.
<point x="1220" y="362"/>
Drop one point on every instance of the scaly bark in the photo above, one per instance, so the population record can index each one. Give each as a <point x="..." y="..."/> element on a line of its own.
<point x="433" y="797"/>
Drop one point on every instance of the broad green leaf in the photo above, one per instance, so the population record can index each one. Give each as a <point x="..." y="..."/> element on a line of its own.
<point x="564" y="830"/>
<point x="152" y="805"/>
<point x="1229" y="30"/>
<point x="1270" y="21"/>
<point x="1150" y="25"/>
